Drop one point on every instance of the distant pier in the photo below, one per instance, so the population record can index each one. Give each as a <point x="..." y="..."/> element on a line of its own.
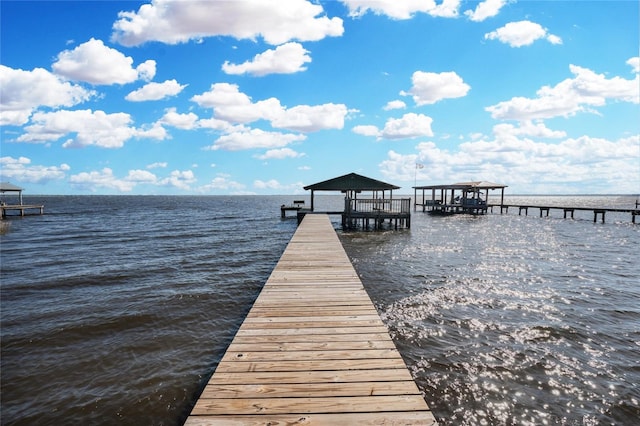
<point x="598" y="212"/>
<point x="21" y="209"/>
<point x="312" y="350"/>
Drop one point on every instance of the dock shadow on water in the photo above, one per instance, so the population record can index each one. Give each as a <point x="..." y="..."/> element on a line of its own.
<point x="509" y="320"/>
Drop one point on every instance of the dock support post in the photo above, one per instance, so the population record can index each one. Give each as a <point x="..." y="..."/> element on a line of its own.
<point x="543" y="209"/>
<point x="596" y="213"/>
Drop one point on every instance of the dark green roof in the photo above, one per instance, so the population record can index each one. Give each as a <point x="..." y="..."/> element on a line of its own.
<point x="9" y="187"/>
<point x="351" y="182"/>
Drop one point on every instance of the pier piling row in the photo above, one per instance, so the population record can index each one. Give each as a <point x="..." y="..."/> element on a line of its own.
<point x="312" y="350"/>
<point x="597" y="212"/>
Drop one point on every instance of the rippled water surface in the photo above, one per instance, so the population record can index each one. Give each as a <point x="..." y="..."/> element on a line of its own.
<point x="507" y="319"/>
<point x="117" y="309"/>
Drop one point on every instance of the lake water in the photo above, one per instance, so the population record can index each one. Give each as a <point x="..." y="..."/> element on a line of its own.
<point x="117" y="309"/>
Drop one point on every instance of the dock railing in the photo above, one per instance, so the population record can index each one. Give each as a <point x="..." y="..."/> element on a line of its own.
<point x="389" y="205"/>
<point x="396" y="210"/>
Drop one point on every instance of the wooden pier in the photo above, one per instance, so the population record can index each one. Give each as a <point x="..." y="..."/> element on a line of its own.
<point x="22" y="209"/>
<point x="312" y="350"/>
<point x="544" y="210"/>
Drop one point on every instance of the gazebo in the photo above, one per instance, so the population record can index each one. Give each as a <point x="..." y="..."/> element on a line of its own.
<point x="352" y="184"/>
<point x="9" y="187"/>
<point x="379" y="207"/>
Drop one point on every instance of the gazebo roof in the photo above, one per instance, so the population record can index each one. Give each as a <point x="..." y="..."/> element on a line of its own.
<point x="465" y="185"/>
<point x="483" y="184"/>
<point x="351" y="182"/>
<point x="9" y="187"/>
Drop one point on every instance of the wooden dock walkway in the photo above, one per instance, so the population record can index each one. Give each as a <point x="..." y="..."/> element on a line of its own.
<point x="312" y="350"/>
<point x="22" y="209"/>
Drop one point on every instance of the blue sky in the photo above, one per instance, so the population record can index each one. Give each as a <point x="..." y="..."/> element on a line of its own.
<point x="264" y="97"/>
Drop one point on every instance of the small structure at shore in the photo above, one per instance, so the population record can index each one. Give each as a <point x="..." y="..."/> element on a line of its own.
<point x="23" y="209"/>
<point x="296" y="206"/>
<point x="381" y="205"/>
<point x="462" y="197"/>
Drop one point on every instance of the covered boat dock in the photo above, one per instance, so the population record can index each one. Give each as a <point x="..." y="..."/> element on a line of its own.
<point x="462" y="197"/>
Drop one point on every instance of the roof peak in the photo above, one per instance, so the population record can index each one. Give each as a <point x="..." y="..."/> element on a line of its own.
<point x="351" y="182"/>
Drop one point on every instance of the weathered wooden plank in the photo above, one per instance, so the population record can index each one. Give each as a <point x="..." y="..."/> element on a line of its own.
<point x="292" y="323"/>
<point x="314" y="365"/>
<point x="266" y="406"/>
<point x="251" y="345"/>
<point x="367" y="317"/>
<point x="276" y="311"/>
<point x="328" y="376"/>
<point x="308" y="331"/>
<point x="292" y="390"/>
<point x="312" y="338"/>
<point x="276" y="356"/>
<point x="414" y="418"/>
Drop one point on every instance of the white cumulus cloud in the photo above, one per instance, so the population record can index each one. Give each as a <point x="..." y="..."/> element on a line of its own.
<point x="367" y="130"/>
<point x="408" y="126"/>
<point x="531" y="166"/>
<point x="106" y="179"/>
<point x="84" y="128"/>
<point x="311" y="118"/>
<point x="254" y="138"/>
<point x="181" y="179"/>
<point x="21" y="170"/>
<point x="397" y="104"/>
<point x="162" y="164"/>
<point x="181" y="121"/>
<point x="229" y="104"/>
<point x="403" y="9"/>
<point x="578" y="94"/>
<point x="156" y="91"/>
<point x="222" y="181"/>
<point x="635" y="64"/>
<point x="95" y="63"/>
<point x="176" y="21"/>
<point x="522" y="33"/>
<point x="429" y="88"/>
<point x="288" y="58"/>
<point x="25" y="91"/>
<point x="90" y="181"/>
<point x="280" y="154"/>
<point x="485" y="9"/>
